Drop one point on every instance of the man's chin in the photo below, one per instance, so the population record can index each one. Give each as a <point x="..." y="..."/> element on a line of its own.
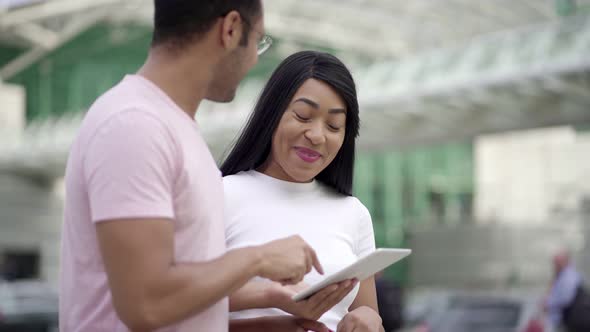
<point x="219" y="98"/>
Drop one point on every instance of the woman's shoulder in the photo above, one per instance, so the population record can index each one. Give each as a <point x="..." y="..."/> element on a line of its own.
<point x="240" y="177"/>
<point x="237" y="183"/>
<point x="359" y="207"/>
<point x="239" y="191"/>
<point x="349" y="202"/>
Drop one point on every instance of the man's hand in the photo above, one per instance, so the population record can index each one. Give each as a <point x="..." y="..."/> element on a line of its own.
<point x="288" y="260"/>
<point x="314" y="307"/>
<point x="362" y="319"/>
<point x="290" y="323"/>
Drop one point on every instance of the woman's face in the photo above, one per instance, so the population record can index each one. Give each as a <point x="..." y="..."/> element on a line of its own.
<point x="309" y="135"/>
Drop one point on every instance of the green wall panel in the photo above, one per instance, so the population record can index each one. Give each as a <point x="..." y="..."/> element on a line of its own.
<point x="8" y="53"/>
<point x="70" y="78"/>
<point x="416" y="188"/>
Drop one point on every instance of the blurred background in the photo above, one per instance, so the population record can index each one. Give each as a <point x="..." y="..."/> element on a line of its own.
<point x="474" y="147"/>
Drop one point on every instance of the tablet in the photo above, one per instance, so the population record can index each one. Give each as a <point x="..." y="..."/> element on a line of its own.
<point x="361" y="270"/>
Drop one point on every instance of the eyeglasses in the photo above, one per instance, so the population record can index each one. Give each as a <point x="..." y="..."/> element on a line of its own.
<point x="265" y="40"/>
<point x="264" y="44"/>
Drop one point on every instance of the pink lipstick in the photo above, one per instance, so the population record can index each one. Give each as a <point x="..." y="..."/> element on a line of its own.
<point x="307" y="155"/>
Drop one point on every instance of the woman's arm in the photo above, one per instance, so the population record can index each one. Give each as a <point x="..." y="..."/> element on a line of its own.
<point x="253" y="295"/>
<point x="266" y="294"/>
<point x="363" y="315"/>
<point x="367" y="296"/>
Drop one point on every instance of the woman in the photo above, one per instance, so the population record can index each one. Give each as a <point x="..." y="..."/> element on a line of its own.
<point x="290" y="173"/>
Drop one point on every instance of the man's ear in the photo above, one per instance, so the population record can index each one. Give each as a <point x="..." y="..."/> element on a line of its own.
<point x="232" y="28"/>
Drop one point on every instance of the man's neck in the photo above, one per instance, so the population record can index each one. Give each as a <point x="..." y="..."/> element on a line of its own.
<point x="178" y="76"/>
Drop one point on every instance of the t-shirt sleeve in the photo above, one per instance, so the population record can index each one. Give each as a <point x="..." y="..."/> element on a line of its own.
<point x="365" y="237"/>
<point x="228" y="208"/>
<point x="129" y="168"/>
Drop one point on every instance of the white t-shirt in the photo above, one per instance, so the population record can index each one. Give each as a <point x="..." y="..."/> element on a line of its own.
<point x="260" y="208"/>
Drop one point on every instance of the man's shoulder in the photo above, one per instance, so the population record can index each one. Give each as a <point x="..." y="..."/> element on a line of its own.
<point x="129" y="117"/>
<point x="122" y="106"/>
<point x="572" y="275"/>
<point x="121" y="98"/>
<point x="127" y="124"/>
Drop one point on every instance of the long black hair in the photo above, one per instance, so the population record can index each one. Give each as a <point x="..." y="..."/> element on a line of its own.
<point x="254" y="144"/>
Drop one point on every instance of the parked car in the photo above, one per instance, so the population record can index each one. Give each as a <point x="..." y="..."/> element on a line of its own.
<point x="28" y="306"/>
<point x="474" y="312"/>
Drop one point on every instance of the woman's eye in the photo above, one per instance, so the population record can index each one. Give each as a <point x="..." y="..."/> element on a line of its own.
<point x="302" y="118"/>
<point x="334" y="128"/>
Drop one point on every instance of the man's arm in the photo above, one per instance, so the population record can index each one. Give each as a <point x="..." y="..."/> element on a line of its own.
<point x="150" y="291"/>
<point x="276" y="324"/>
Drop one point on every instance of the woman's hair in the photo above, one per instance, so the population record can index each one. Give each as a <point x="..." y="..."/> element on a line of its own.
<point x="253" y="146"/>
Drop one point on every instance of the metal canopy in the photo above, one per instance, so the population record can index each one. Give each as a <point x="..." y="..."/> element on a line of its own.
<point x="369" y="29"/>
<point x="536" y="76"/>
<point x="44" y="26"/>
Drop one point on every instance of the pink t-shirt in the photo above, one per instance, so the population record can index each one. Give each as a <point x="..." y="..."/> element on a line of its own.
<point x="137" y="155"/>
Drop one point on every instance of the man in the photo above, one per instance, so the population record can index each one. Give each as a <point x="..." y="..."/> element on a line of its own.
<point x="143" y="245"/>
<point x="567" y="304"/>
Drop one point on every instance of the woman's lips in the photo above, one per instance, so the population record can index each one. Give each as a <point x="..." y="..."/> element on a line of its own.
<point x="307" y="155"/>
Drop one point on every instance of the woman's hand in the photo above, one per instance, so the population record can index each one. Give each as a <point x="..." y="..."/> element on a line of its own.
<point x="361" y="319"/>
<point x="314" y="307"/>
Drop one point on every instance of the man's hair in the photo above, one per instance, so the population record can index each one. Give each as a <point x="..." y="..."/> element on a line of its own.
<point x="253" y="146"/>
<point x="178" y="22"/>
